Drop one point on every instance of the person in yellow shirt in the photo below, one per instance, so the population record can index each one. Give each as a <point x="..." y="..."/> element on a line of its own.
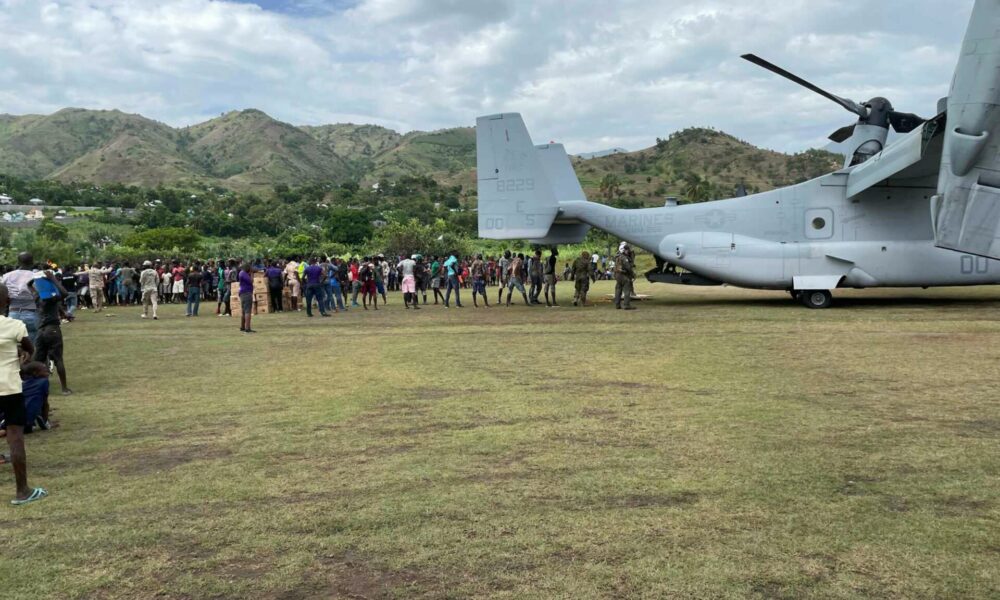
<point x="14" y="341"/>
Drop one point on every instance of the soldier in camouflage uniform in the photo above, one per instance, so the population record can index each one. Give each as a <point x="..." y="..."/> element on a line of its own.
<point x="581" y="276"/>
<point x="624" y="274"/>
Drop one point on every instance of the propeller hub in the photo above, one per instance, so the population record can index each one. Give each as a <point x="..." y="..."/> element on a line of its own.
<point x="879" y="110"/>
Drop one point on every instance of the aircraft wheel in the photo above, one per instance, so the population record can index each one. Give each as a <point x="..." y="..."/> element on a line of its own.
<point x="817" y="298"/>
<point x="795" y="294"/>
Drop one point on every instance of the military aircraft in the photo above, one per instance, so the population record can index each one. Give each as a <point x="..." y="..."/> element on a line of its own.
<point x="921" y="211"/>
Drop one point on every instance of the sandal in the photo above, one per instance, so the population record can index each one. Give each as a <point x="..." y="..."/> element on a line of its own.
<point x="36" y="494"/>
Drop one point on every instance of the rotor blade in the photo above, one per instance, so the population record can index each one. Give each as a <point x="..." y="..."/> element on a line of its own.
<point x="843" y="134"/>
<point x="850" y="105"/>
<point x="905" y="122"/>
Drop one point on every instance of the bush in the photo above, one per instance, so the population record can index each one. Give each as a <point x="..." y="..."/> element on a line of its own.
<point x="404" y="239"/>
<point x="178" y="239"/>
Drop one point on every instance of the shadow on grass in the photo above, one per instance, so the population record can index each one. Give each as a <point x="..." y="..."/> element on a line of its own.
<point x="838" y="302"/>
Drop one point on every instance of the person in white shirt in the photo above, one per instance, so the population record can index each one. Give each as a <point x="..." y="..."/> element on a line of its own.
<point x="409" y="286"/>
<point x="148" y="283"/>
<point x="22" y="301"/>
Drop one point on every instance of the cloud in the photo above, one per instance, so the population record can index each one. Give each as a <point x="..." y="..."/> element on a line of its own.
<point x="590" y="74"/>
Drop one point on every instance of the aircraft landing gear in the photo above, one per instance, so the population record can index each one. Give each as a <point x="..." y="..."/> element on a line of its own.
<point x="816" y="298"/>
<point x="795" y="294"/>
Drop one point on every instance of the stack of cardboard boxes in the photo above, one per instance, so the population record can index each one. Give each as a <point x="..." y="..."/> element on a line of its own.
<point x="261" y="297"/>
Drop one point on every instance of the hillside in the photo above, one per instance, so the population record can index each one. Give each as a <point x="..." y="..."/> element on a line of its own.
<point x="724" y="161"/>
<point x="250" y="151"/>
<point x="100" y="146"/>
<point x="358" y="144"/>
<point x="444" y="154"/>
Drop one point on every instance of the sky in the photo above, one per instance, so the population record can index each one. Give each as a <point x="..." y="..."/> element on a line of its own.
<point x="590" y="74"/>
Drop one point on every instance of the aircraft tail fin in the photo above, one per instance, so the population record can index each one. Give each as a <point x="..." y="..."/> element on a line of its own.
<point x="516" y="199"/>
<point x="565" y="187"/>
<point x="966" y="209"/>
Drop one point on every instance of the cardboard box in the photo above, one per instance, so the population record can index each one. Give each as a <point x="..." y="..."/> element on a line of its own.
<point x="262" y="303"/>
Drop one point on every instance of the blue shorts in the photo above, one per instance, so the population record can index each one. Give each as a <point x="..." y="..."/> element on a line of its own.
<point x="515" y="282"/>
<point x="479" y="285"/>
<point x="380" y="287"/>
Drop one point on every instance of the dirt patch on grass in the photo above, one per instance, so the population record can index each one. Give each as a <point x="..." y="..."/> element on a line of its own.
<point x="351" y="575"/>
<point x="600" y="413"/>
<point x="961" y="506"/>
<point x="682" y="498"/>
<point x="897" y="504"/>
<point x="603" y="439"/>
<point x="24" y="522"/>
<point x="858" y="485"/>
<point x="438" y="427"/>
<point x="161" y="432"/>
<point x="565" y="385"/>
<point x="458" y="425"/>
<point x="236" y="569"/>
<point x="818" y="566"/>
<point x="370" y="453"/>
<point x="989" y="427"/>
<point x="146" y="461"/>
<point x="439" y="393"/>
<point x="569" y="385"/>
<point x="768" y="587"/>
<point x="505" y="469"/>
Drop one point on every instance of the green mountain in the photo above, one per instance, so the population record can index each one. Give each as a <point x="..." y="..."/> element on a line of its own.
<point x="359" y="144"/>
<point x="100" y="146"/>
<point x="248" y="150"/>
<point x="717" y="158"/>
<point x="443" y="154"/>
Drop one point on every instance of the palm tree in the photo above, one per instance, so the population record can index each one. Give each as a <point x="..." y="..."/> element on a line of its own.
<point x="697" y="188"/>
<point x="610" y="186"/>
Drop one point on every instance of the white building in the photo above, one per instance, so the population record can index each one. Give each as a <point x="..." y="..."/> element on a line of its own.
<point x="5" y="199"/>
<point x="34" y="214"/>
<point x="36" y="201"/>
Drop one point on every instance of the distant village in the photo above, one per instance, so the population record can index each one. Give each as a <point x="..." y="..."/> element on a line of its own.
<point x="32" y="212"/>
<point x="20" y="213"/>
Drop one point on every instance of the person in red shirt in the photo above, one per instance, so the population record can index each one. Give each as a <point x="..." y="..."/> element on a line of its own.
<point x="355" y="281"/>
<point x="368" y="287"/>
<point x="178" y="273"/>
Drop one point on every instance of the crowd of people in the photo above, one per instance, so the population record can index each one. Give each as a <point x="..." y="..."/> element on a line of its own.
<point x="37" y="299"/>
<point x="330" y="283"/>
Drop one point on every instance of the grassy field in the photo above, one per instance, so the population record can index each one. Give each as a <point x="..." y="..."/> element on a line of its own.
<point x="717" y="443"/>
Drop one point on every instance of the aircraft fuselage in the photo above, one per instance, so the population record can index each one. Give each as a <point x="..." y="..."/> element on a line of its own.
<point x="807" y="236"/>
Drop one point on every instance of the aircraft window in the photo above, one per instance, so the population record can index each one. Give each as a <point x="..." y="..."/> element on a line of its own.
<point x="819" y="223"/>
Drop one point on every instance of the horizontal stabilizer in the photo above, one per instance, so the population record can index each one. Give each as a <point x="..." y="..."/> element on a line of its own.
<point x="563" y="233"/>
